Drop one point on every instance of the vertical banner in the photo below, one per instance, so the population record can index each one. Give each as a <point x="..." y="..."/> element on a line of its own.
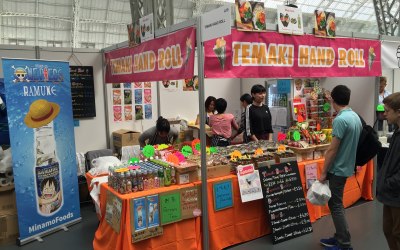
<point x="43" y="147"/>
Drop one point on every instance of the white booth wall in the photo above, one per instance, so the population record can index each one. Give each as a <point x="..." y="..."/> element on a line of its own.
<point x="91" y="132"/>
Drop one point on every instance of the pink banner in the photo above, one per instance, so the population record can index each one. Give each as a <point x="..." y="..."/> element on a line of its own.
<point x="270" y="54"/>
<point x="165" y="58"/>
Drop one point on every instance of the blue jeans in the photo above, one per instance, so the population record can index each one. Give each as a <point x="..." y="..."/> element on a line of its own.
<point x="336" y="185"/>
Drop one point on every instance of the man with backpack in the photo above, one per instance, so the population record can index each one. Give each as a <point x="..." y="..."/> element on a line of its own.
<point x="339" y="164"/>
<point x="388" y="179"/>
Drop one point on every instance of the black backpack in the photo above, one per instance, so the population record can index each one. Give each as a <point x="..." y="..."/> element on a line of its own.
<point x="368" y="144"/>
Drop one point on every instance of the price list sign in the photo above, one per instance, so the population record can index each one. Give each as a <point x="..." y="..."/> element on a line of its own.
<point x="285" y="202"/>
<point x="82" y="91"/>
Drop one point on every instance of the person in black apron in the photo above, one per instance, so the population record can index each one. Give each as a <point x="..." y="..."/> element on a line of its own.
<point x="162" y="133"/>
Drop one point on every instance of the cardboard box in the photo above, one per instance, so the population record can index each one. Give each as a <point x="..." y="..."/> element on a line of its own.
<point x="8" y="228"/>
<point x="125" y="137"/>
<point x="8" y="204"/>
<point x="218" y="171"/>
<point x="185" y="178"/>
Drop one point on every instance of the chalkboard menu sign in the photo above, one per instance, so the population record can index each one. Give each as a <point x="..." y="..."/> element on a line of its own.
<point x="285" y="202"/>
<point x="82" y="91"/>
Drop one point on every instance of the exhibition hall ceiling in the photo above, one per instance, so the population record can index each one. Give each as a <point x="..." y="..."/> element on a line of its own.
<point x="102" y="23"/>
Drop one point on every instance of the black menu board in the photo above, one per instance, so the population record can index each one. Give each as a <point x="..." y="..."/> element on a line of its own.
<point x="285" y="202"/>
<point x="82" y="91"/>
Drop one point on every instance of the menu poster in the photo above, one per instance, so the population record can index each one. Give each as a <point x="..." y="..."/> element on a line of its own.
<point x="249" y="183"/>
<point x="127" y="85"/>
<point x="147" y="96"/>
<point x="285" y="202"/>
<point x="153" y="216"/>
<point x="82" y="91"/>
<point x="191" y="202"/>
<point x="117" y="113"/>
<point x="223" y="195"/>
<point x="138" y="112"/>
<point x="127" y="96"/>
<point x="170" y="207"/>
<point x="138" y="96"/>
<point x="311" y="174"/>
<point x="113" y="211"/>
<point x="116" y="85"/>
<point x="148" y="112"/>
<point x="143" y="210"/>
<point x="147" y="85"/>
<point x="117" y="97"/>
<point x="128" y="113"/>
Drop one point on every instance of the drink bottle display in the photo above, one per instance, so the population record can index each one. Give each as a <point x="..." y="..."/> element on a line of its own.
<point x="47" y="171"/>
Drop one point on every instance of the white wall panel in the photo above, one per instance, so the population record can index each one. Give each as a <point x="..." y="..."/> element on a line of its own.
<point x="91" y="133"/>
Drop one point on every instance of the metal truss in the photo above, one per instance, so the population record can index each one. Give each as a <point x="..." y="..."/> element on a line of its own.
<point x="75" y="27"/>
<point x="387" y="16"/>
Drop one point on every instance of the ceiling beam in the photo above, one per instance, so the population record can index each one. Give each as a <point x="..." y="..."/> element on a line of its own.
<point x="105" y="25"/>
<point x="75" y="26"/>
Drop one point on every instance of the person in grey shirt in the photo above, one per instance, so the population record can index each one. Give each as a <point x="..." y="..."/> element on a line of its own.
<point x="162" y="133"/>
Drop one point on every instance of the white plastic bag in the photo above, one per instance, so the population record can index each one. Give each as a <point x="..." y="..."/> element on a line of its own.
<point x="101" y="164"/>
<point x="319" y="193"/>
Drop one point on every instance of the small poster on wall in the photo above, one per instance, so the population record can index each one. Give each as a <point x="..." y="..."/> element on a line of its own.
<point x="128" y="113"/>
<point x="139" y="214"/>
<point x="127" y="96"/>
<point x="138" y="96"/>
<point x="146" y="28"/>
<point x="250" y="15"/>
<point x="138" y="112"/>
<point x="116" y="85"/>
<point x="148" y="111"/>
<point x="170" y="86"/>
<point x="147" y="95"/>
<point x="127" y="85"/>
<point x="191" y="84"/>
<point x="117" y="113"/>
<point x="117" y="97"/>
<point x="113" y="211"/>
<point x="170" y="207"/>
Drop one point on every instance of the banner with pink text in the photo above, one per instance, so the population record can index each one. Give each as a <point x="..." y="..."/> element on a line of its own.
<point x="270" y="54"/>
<point x="166" y="58"/>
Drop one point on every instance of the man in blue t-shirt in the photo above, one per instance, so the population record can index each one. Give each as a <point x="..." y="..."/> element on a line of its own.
<point x="339" y="164"/>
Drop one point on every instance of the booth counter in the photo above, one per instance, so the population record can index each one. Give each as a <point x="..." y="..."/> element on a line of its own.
<point x="240" y="223"/>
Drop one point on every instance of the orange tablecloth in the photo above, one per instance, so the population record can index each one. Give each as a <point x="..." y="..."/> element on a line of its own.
<point x="181" y="235"/>
<point x="242" y="222"/>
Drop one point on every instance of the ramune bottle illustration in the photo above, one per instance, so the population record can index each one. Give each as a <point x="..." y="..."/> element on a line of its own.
<point x="47" y="170"/>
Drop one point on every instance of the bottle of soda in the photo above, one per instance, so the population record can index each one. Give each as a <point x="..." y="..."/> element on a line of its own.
<point x="140" y="180"/>
<point x="128" y="182"/>
<point x="167" y="176"/>
<point x="161" y="176"/>
<point x="173" y="176"/>
<point x="134" y="181"/>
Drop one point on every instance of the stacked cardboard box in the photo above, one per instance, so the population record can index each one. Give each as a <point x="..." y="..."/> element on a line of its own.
<point x="8" y="217"/>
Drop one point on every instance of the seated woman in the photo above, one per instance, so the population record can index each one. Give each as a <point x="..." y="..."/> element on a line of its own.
<point x="221" y="125"/>
<point x="162" y="133"/>
<point x="210" y="109"/>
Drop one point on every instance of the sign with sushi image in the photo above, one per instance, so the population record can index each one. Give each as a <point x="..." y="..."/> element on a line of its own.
<point x="290" y="20"/>
<point x="324" y="24"/>
<point x="250" y="15"/>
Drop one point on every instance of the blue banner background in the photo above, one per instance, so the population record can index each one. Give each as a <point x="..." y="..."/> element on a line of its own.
<point x="23" y="145"/>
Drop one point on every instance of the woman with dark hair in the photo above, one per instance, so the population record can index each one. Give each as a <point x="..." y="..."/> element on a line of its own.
<point x="258" y="116"/>
<point x="210" y="109"/>
<point x="221" y="125"/>
<point x="162" y="133"/>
